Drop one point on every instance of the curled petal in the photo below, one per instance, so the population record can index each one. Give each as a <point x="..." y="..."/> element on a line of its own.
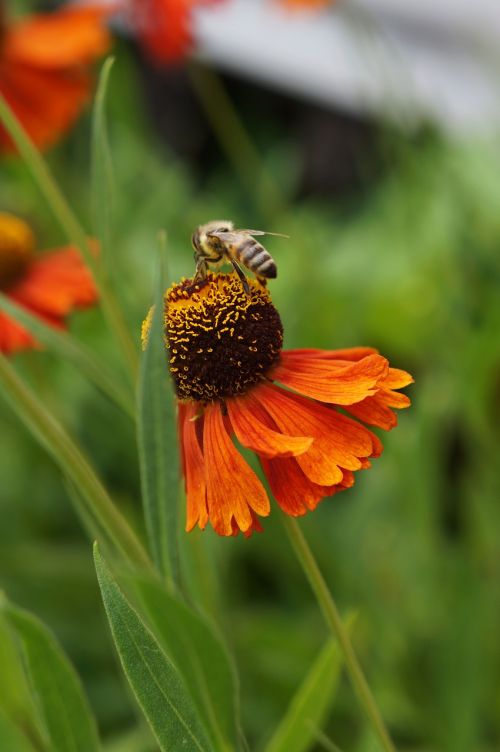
<point x="249" y="423"/>
<point x="233" y="489"/>
<point x="331" y="381"/>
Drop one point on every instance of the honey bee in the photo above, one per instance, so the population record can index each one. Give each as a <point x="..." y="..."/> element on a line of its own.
<point x="218" y="241"/>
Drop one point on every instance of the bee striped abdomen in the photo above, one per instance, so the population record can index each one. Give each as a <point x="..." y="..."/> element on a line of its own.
<point x="255" y="257"/>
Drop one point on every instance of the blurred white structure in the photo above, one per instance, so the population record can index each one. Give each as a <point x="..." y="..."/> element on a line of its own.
<point x="409" y="60"/>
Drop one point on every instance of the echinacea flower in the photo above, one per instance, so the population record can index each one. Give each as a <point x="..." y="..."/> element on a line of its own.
<point x="163" y="27"/>
<point x="45" y="69"/>
<point x="298" y="410"/>
<point x="49" y="285"/>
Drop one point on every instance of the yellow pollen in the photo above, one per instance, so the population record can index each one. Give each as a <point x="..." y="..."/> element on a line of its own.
<point x="17" y="245"/>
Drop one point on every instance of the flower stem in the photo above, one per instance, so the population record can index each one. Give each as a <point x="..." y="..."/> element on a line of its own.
<point x="332" y="618"/>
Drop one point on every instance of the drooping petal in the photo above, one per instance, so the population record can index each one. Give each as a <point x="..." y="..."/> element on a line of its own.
<point x="68" y="37"/>
<point x="249" y="423"/>
<point x="55" y="283"/>
<point x="291" y="488"/>
<point x="339" y="442"/>
<point x="330" y="381"/>
<point x="194" y="472"/>
<point x="233" y="489"/>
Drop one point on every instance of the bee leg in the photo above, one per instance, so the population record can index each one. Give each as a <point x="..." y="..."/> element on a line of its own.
<point x="201" y="270"/>
<point x="241" y="274"/>
<point x="262" y="281"/>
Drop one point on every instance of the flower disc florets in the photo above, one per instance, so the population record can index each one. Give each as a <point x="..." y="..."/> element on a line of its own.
<point x="17" y="244"/>
<point x="220" y="340"/>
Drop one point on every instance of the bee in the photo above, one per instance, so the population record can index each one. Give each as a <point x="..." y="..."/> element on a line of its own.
<point x="218" y="241"/>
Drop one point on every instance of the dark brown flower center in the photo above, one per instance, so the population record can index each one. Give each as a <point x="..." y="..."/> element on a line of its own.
<point x="220" y="340"/>
<point x="17" y="244"/>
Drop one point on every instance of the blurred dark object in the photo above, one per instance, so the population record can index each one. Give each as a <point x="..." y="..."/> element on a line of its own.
<point x="337" y="151"/>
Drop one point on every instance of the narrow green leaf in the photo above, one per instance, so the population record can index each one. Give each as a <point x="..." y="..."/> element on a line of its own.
<point x="157" y="443"/>
<point x="15" y="695"/>
<point x="101" y="165"/>
<point x="155" y="681"/>
<point x="310" y="704"/>
<point x="201" y="657"/>
<point x="70" y="350"/>
<point x="70" y="459"/>
<point x="11" y="738"/>
<point x="56" y="688"/>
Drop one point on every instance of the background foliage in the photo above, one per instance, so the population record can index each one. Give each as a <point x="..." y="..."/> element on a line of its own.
<point x="407" y="261"/>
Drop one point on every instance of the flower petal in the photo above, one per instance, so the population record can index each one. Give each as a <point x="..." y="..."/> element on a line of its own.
<point x="349" y="353"/>
<point x="62" y="39"/>
<point x="55" y="283"/>
<point x="248" y="420"/>
<point x="339" y="441"/>
<point x="291" y="488"/>
<point x="233" y="489"/>
<point x="194" y="474"/>
<point x="46" y="102"/>
<point x="330" y="381"/>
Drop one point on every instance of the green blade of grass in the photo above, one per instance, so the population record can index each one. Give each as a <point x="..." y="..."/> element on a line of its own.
<point x="310" y="704"/>
<point x="57" y="692"/>
<point x="72" y="351"/>
<point x="157" y="443"/>
<point x="154" y="679"/>
<point x="71" y="461"/>
<point x="102" y="167"/>
<point x="73" y="230"/>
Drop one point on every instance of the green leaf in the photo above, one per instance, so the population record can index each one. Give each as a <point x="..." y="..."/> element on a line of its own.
<point x="15" y="695"/>
<point x="157" y="443"/>
<point x="201" y="657"/>
<point x="297" y="731"/>
<point x="11" y="738"/>
<point x="70" y="350"/>
<point x="72" y="462"/>
<point x="155" y="681"/>
<point x="101" y="166"/>
<point x="56" y="689"/>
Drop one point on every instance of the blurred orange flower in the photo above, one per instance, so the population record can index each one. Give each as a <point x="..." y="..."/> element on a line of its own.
<point x="164" y="27"/>
<point x="49" y="285"/>
<point x="232" y="379"/>
<point x="44" y="69"/>
<point x="308" y="4"/>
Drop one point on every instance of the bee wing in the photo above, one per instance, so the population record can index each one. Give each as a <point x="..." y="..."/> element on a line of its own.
<point x="228" y="237"/>
<point x="263" y="232"/>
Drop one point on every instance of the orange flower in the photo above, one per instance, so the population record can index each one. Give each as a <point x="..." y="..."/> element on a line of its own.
<point x="164" y="27"/>
<point x="49" y="286"/>
<point x="44" y="69"/>
<point x="233" y="380"/>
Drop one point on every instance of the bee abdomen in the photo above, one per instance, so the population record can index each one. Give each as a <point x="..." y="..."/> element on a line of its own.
<point x="256" y="258"/>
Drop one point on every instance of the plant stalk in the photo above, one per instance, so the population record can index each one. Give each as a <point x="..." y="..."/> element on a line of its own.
<point x="334" y="622"/>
